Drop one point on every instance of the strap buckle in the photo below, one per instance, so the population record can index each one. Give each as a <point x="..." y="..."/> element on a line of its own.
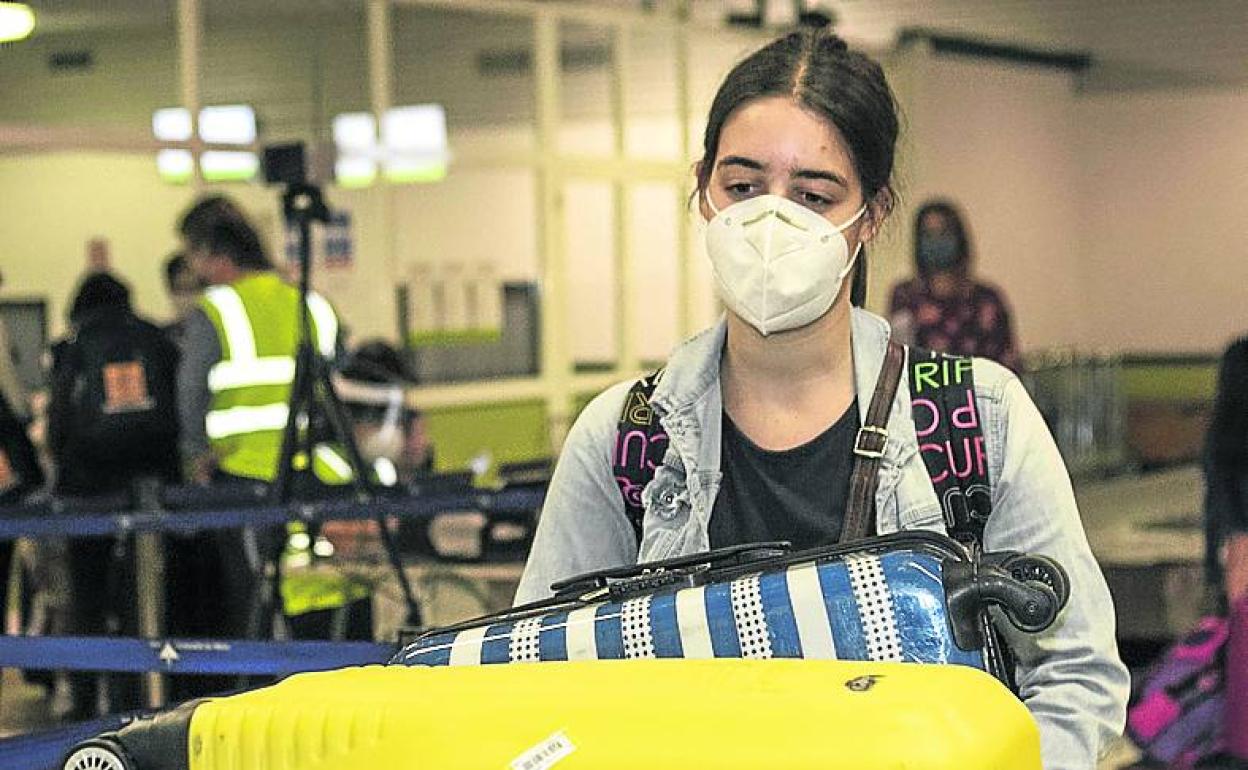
<point x="865" y="441"/>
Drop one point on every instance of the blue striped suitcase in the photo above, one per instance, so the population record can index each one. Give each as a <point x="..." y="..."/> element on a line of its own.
<point x="916" y="597"/>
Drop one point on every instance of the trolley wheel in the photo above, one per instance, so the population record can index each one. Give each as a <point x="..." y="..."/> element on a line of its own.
<point x="98" y="754"/>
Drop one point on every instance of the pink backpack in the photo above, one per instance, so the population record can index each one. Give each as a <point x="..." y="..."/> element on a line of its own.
<point x="1235" y="718"/>
<point x="1177" y="710"/>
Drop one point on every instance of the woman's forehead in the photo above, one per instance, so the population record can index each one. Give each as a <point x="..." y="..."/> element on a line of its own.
<point x="781" y="134"/>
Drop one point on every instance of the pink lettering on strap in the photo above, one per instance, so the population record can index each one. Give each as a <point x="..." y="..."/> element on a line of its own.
<point x="940" y="450"/>
<point x="966" y="417"/>
<point x="953" y="462"/>
<point x="622" y="443"/>
<point x="931" y="408"/>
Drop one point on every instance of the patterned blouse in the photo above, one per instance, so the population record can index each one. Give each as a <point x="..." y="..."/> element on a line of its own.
<point x="972" y="322"/>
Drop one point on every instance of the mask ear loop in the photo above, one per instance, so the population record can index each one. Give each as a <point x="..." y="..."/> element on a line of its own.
<point x="706" y="195"/>
<point x="857" y="249"/>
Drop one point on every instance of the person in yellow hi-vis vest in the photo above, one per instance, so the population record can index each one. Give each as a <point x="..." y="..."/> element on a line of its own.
<point x="234" y="385"/>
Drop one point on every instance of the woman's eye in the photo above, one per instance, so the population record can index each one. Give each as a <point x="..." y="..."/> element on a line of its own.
<point x="814" y="200"/>
<point x="740" y="189"/>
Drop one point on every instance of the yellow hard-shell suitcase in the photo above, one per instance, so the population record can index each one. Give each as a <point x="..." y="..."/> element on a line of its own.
<point x="616" y="715"/>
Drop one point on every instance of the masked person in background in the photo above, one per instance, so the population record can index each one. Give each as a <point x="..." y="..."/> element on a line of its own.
<point x="945" y="308"/>
<point x="390" y="435"/>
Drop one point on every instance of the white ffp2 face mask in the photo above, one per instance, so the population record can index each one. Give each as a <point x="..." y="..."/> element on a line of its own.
<point x="778" y="264"/>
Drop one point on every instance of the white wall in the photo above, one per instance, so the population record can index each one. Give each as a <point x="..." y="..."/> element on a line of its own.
<point x="51" y="205"/>
<point x="1115" y="221"/>
<point x="999" y="141"/>
<point x="1165" y="217"/>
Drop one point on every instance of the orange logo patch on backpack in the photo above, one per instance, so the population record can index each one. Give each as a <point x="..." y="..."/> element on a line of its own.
<point x="8" y="479"/>
<point x="125" y="388"/>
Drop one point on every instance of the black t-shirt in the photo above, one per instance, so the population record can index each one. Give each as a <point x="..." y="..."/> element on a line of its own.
<point x="795" y="494"/>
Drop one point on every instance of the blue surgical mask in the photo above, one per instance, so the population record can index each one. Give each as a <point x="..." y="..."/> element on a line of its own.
<point x="938" y="251"/>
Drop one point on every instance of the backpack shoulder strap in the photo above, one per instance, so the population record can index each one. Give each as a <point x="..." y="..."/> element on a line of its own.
<point x="640" y="444"/>
<point x="869" y="449"/>
<point x="951" y="440"/>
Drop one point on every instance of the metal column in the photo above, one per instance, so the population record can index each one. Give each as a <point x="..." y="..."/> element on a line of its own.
<point x="625" y="315"/>
<point x="381" y="97"/>
<point x="556" y="361"/>
<point x="190" y="29"/>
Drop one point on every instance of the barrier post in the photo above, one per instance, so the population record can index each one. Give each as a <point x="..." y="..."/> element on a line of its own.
<point x="149" y="567"/>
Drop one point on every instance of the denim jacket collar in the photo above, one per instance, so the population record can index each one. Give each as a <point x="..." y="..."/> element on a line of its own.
<point x="689" y="400"/>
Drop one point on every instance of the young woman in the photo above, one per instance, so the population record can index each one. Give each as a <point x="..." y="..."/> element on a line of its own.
<point x="762" y="410"/>
<point x="945" y="308"/>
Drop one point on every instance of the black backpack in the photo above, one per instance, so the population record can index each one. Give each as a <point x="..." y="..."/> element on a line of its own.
<point x="951" y="440"/>
<point x="117" y="382"/>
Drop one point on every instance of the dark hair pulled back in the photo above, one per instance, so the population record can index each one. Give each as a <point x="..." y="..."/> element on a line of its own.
<point x="217" y="224"/>
<point x="819" y="71"/>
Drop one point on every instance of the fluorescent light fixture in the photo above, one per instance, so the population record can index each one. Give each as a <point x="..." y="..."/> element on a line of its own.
<point x="17" y="21"/>
<point x="175" y="166"/>
<point x="412" y="147"/>
<point x="354" y="171"/>
<point x="228" y="124"/>
<point x="355" y="133"/>
<point x="417" y="129"/>
<point x="415" y="143"/>
<point x="224" y="124"/>
<point x="172" y="124"/>
<point x="225" y="166"/>
<point x="355" y="139"/>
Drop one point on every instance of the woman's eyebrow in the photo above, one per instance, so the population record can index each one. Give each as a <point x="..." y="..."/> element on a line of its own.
<point x="739" y="160"/>
<point x="814" y="173"/>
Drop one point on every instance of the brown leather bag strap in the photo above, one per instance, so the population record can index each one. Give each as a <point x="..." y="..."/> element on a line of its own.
<point x="869" y="449"/>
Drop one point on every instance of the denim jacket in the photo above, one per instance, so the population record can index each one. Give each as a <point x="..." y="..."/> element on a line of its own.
<point x="1070" y="676"/>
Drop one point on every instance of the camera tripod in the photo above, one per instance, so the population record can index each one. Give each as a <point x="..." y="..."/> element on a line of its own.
<point x="314" y="403"/>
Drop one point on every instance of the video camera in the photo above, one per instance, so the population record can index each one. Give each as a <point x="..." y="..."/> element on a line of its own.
<point x="291" y="164"/>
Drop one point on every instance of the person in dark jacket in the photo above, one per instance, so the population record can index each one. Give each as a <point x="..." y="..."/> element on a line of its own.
<point x="20" y="473"/>
<point x="1226" y="528"/>
<point x="112" y="420"/>
<point x="1226" y="477"/>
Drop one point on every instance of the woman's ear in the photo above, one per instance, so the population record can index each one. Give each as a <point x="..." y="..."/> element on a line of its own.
<point x="701" y="193"/>
<point x="878" y="209"/>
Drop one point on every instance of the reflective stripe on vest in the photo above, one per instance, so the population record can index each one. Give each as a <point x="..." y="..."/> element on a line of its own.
<point x="333" y="462"/>
<point x="325" y="322"/>
<point x="268" y="370"/>
<point x="240" y="341"/>
<point x="387" y="475"/>
<point x="236" y="420"/>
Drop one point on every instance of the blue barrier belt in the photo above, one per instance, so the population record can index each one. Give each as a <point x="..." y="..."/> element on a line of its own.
<point x="56" y="520"/>
<point x="46" y="749"/>
<point x="186" y="656"/>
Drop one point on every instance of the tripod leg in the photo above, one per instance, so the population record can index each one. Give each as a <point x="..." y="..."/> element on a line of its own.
<point x="267" y="598"/>
<point x="361" y="475"/>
